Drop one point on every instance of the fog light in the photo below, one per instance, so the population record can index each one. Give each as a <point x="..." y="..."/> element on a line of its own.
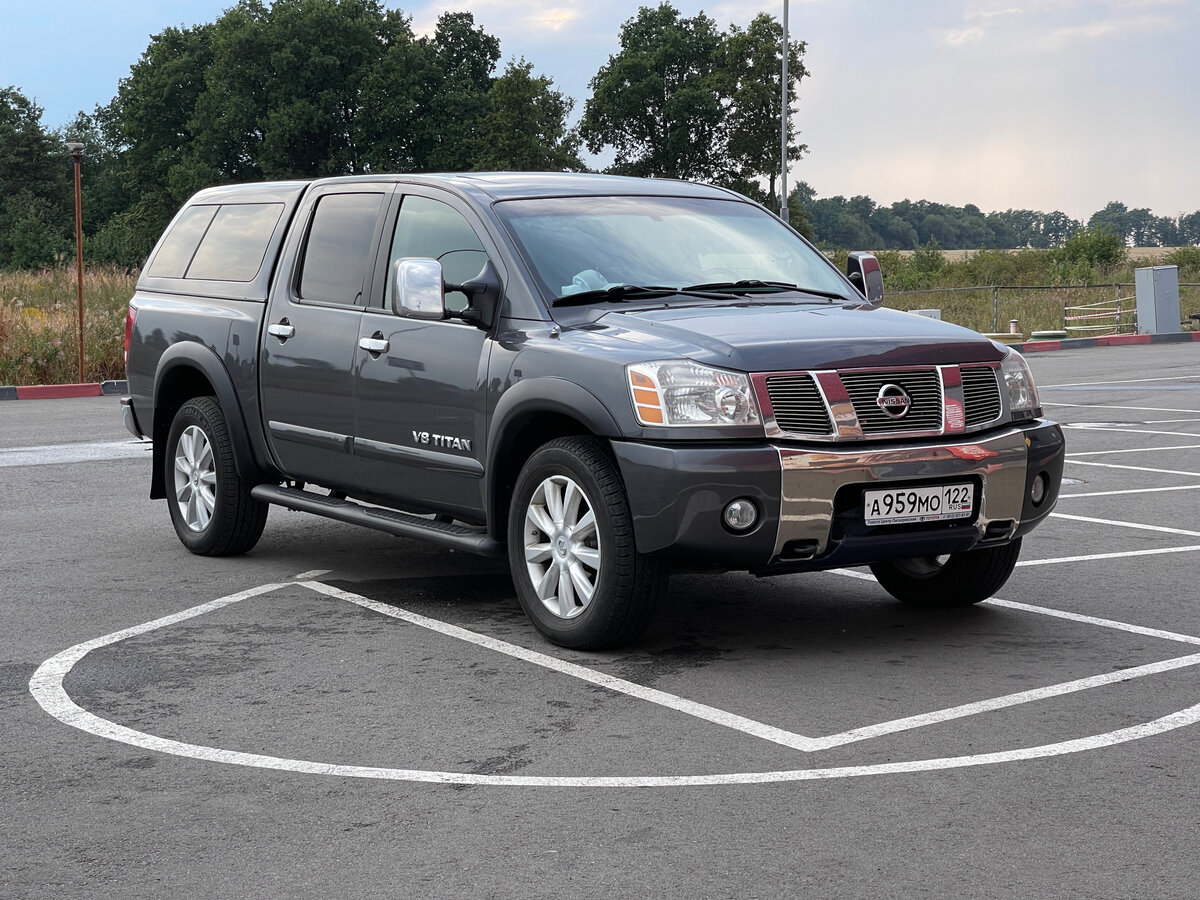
<point x="741" y="515"/>
<point x="1038" y="492"/>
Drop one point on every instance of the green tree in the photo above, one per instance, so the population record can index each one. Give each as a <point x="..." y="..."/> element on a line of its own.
<point x="658" y="101"/>
<point x="751" y="65"/>
<point x="1189" y="228"/>
<point x="151" y="125"/>
<point x="525" y="128"/>
<point x="1057" y="228"/>
<point x="1091" y="250"/>
<point x="465" y="57"/>
<point x="37" y="210"/>
<point x="282" y="91"/>
<point x="100" y="165"/>
<point x="1114" y="218"/>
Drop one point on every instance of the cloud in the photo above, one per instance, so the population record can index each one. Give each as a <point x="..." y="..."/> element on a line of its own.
<point x="534" y="17"/>
<point x="958" y="36"/>
<point x="1106" y="28"/>
<point x="991" y="13"/>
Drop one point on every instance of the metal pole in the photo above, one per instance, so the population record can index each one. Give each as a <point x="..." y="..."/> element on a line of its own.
<point x="76" y="151"/>
<point x="784" y="212"/>
<point x="995" y="309"/>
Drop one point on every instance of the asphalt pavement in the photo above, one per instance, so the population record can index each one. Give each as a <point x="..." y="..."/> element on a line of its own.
<point x="342" y="713"/>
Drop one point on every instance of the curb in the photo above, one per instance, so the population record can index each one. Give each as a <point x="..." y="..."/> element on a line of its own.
<point x="62" y="391"/>
<point x="1116" y="340"/>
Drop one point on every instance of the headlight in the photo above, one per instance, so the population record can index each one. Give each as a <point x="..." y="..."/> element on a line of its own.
<point x="678" y="392"/>
<point x="1018" y="381"/>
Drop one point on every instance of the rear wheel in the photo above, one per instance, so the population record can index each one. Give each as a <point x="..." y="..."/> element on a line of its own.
<point x="571" y="549"/>
<point x="211" y="507"/>
<point x="944" y="582"/>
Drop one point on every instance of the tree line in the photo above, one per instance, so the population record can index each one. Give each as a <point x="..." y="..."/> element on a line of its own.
<point x="307" y="88"/>
<point x="907" y="224"/>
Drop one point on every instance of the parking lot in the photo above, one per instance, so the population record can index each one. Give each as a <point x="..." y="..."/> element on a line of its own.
<point x="341" y="713"/>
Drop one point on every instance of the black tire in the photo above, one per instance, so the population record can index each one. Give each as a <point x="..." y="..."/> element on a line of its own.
<point x="625" y="586"/>
<point x="960" y="579"/>
<point x="211" y="507"/>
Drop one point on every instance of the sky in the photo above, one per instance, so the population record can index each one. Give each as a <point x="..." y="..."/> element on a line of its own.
<point x="1027" y="104"/>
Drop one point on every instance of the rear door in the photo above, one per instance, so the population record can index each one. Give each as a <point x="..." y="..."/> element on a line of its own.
<point x="309" y="350"/>
<point x="420" y="402"/>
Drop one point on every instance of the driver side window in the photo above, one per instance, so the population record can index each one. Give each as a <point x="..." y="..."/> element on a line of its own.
<point x="430" y="229"/>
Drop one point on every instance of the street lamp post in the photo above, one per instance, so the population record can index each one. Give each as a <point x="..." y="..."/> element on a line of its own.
<point x="76" y="150"/>
<point x="784" y="212"/>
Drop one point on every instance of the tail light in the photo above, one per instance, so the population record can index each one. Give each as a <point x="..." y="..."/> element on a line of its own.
<point x="130" y="318"/>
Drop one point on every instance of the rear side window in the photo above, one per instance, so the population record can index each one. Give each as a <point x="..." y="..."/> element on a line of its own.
<point x="236" y="242"/>
<point x="339" y="245"/>
<point x="218" y="243"/>
<point x="178" y="247"/>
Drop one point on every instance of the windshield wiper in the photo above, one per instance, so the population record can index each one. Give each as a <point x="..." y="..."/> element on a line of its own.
<point x="619" y="293"/>
<point x="758" y="286"/>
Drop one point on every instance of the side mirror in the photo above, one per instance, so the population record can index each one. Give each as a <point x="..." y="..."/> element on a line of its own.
<point x="417" y="289"/>
<point x="864" y="273"/>
<point x="484" y="293"/>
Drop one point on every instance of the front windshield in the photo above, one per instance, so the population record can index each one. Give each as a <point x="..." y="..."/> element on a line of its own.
<point x="578" y="244"/>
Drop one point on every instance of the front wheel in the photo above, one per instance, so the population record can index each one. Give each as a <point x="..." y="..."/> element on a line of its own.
<point x="944" y="582"/>
<point x="211" y="507"/>
<point x="571" y="549"/>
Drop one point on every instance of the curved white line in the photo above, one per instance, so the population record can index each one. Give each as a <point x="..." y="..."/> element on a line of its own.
<point x="47" y="688"/>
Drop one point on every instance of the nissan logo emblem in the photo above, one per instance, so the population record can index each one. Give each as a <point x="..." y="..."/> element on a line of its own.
<point x="894" y="401"/>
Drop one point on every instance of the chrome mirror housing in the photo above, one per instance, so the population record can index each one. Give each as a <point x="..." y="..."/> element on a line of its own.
<point x="418" y="291"/>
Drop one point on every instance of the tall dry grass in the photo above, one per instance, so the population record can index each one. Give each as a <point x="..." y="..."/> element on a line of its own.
<point x="39" y="331"/>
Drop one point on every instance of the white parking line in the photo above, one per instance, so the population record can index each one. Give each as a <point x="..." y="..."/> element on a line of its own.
<point x="1136" y="525"/>
<point x="1154" y="490"/>
<point x="1098" y="622"/>
<point x="1122" y="381"/>
<point x="1134" y="408"/>
<point x="600" y="679"/>
<point x="1100" y="426"/>
<point x="1133" y="450"/>
<point x="1091" y="557"/>
<point x="1081" y="462"/>
<point x="310" y="574"/>
<point x="46" y="686"/>
<point x="87" y="451"/>
<point x="1009" y="700"/>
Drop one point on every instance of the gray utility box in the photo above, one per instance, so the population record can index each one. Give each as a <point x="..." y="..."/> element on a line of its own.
<point x="1157" y="299"/>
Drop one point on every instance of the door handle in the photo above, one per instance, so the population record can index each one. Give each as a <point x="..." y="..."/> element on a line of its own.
<point x="282" y="330"/>
<point x="375" y="344"/>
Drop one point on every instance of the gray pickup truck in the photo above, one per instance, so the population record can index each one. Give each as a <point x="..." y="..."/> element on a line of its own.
<point x="605" y="379"/>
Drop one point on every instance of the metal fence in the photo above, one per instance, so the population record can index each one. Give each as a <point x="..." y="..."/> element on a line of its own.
<point x="1079" y="310"/>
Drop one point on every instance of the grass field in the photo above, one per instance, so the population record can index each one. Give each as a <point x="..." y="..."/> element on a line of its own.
<point x="39" y="330"/>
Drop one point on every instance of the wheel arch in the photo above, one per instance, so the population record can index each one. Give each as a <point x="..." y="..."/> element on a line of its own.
<point x="188" y="370"/>
<point x="530" y="414"/>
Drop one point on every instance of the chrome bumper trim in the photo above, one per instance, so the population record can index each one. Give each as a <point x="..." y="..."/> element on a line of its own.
<point x="811" y="479"/>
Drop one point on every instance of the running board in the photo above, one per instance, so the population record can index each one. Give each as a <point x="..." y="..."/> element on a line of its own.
<point x="448" y="534"/>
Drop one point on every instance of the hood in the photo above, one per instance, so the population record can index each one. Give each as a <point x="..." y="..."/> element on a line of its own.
<point x="782" y="337"/>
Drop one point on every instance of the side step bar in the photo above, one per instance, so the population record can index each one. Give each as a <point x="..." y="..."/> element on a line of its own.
<point x="448" y="534"/>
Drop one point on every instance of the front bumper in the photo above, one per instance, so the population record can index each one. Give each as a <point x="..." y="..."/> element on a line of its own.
<point x="810" y="500"/>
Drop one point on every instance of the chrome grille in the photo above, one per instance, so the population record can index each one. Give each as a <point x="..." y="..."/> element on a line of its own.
<point x="798" y="406"/>
<point x="981" y="392"/>
<point x="923" y="387"/>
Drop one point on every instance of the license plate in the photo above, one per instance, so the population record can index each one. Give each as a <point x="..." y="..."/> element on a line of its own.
<point x="938" y="503"/>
